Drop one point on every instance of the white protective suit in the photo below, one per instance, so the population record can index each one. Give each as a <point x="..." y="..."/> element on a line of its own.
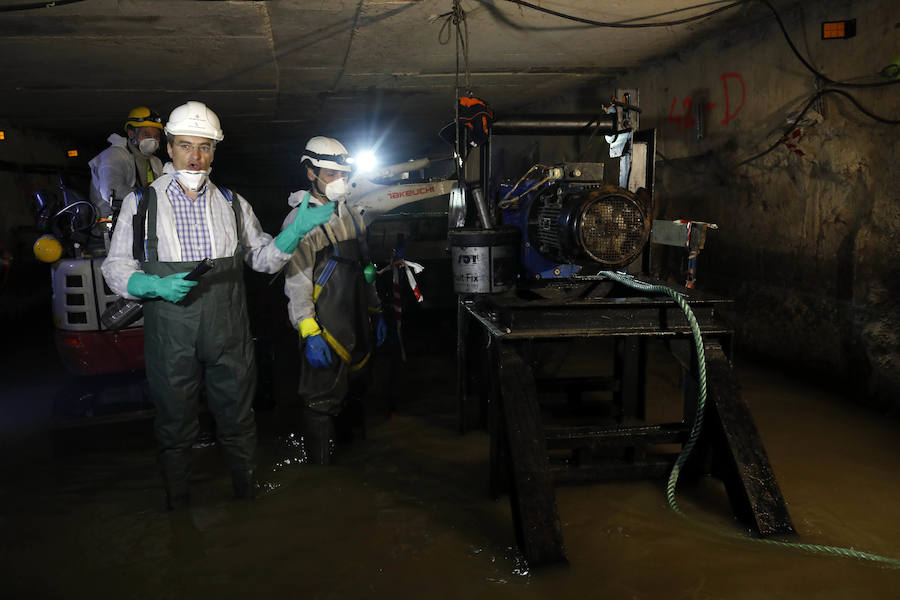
<point x="117" y="168"/>
<point x="261" y="254"/>
<point x="298" y="281"/>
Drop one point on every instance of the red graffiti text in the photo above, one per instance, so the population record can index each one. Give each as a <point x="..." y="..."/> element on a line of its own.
<point x="684" y="114"/>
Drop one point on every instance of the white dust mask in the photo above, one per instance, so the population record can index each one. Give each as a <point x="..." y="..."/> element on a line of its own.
<point x="192" y="180"/>
<point x="336" y="190"/>
<point x="148" y="146"/>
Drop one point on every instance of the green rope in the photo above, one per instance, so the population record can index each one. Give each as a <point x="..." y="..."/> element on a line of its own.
<point x="688" y="447"/>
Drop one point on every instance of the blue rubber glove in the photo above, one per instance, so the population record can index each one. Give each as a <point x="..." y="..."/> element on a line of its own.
<point x="305" y="220"/>
<point x="380" y="331"/>
<point x="317" y="352"/>
<point x="171" y="287"/>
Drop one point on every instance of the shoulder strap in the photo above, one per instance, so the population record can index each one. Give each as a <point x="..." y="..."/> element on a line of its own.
<point x="137" y="224"/>
<point x="360" y="238"/>
<point x="236" y="207"/>
<point x="152" y="238"/>
<point x="137" y="174"/>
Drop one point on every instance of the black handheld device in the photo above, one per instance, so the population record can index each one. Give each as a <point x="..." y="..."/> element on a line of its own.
<point x="123" y="312"/>
<point x="202" y="267"/>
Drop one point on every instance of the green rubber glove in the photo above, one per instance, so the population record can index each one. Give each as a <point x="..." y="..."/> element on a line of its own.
<point x="172" y="287"/>
<point x="305" y="220"/>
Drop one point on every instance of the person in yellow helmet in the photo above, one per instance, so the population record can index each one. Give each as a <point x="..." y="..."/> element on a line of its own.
<point x="130" y="162"/>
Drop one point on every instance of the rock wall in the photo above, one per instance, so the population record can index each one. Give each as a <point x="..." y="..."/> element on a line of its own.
<point x="808" y="233"/>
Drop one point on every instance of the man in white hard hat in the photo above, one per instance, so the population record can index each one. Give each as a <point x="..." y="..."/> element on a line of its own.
<point x="332" y="299"/>
<point x="197" y="332"/>
<point x="130" y="162"/>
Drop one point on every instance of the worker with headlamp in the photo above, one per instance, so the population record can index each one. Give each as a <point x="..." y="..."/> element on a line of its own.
<point x="197" y="332"/>
<point x="332" y="301"/>
<point x="129" y="162"/>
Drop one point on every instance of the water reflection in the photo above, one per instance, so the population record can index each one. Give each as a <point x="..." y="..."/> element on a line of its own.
<point x="406" y="513"/>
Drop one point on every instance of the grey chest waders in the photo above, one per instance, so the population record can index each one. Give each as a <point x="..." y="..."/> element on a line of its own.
<point x="340" y="297"/>
<point x="204" y="339"/>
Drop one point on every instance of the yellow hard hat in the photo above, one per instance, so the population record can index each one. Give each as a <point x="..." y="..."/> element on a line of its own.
<point x="47" y="249"/>
<point x="143" y="117"/>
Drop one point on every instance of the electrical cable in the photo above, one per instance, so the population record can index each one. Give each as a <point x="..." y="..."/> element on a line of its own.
<point x="676" y="10"/>
<point x="71" y="226"/>
<point x="521" y="179"/>
<point x="36" y="5"/>
<point x="507" y="203"/>
<point x="803" y="112"/>
<point x="859" y="106"/>
<point x="587" y="144"/>
<point x="623" y="25"/>
<point x="812" y="69"/>
<point x="76" y="203"/>
<point x="787" y="37"/>
<point x="697" y="427"/>
<point x="457" y="19"/>
<point x="783" y="135"/>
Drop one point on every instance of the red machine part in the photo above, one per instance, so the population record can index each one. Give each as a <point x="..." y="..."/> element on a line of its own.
<point x="101" y="352"/>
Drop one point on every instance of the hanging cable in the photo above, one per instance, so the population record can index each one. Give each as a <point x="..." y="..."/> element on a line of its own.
<point x="622" y="25"/>
<point x="75" y="204"/>
<point x="504" y="204"/>
<point x="521" y="179"/>
<point x="705" y="15"/>
<point x="803" y="112"/>
<point x="36" y="5"/>
<point x="812" y="69"/>
<point x="455" y="21"/>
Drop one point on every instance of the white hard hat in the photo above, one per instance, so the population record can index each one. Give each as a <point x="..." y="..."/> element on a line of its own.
<point x="326" y="152"/>
<point x="194" y="118"/>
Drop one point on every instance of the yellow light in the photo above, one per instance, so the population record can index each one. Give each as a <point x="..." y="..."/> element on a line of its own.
<point x="72" y="153"/>
<point x="832" y="30"/>
<point x="2" y="135"/>
<point x="838" y="30"/>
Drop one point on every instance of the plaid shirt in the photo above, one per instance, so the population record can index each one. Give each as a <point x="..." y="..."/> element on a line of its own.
<point x="190" y="222"/>
<point x="261" y="253"/>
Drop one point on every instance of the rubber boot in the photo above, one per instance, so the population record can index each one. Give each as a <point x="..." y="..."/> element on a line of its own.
<point x="176" y="500"/>
<point x="351" y="422"/>
<point x="176" y="473"/>
<point x="318" y="434"/>
<point x="243" y="484"/>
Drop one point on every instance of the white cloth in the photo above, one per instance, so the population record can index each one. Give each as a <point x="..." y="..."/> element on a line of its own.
<point x="261" y="253"/>
<point x="298" y="280"/>
<point x="114" y="169"/>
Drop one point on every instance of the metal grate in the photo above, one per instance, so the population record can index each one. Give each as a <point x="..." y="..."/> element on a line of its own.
<point x="612" y="229"/>
<point x="547" y="232"/>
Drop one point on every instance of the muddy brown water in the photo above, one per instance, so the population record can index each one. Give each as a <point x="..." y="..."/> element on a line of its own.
<point x="406" y="513"/>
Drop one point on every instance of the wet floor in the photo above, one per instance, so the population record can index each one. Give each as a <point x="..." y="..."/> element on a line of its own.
<point x="406" y="513"/>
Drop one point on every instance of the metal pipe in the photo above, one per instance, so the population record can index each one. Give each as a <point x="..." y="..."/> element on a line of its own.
<point x="484" y="211"/>
<point x="484" y="215"/>
<point x="555" y="124"/>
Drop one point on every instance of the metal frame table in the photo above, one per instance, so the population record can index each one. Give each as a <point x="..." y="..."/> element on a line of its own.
<point x="498" y="389"/>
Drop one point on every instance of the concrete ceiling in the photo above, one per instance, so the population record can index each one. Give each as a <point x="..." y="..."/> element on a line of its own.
<point x="277" y="72"/>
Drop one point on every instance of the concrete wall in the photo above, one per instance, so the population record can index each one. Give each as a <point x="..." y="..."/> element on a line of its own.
<point x="808" y="239"/>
